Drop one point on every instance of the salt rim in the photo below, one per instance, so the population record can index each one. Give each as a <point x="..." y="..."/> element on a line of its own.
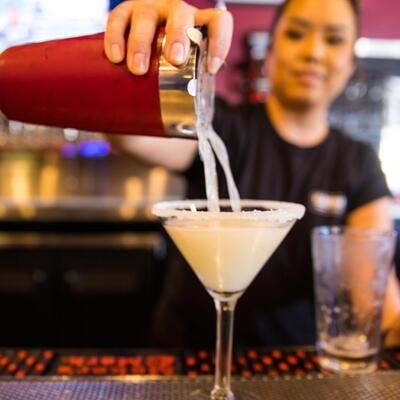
<point x="280" y="211"/>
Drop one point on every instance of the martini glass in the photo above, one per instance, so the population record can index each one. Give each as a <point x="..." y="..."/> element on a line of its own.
<point x="226" y="250"/>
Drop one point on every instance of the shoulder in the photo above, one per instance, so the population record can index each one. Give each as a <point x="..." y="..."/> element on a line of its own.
<point x="344" y="139"/>
<point x="361" y="167"/>
<point x="352" y="149"/>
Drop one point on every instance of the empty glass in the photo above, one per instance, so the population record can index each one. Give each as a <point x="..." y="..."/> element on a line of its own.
<point x="351" y="267"/>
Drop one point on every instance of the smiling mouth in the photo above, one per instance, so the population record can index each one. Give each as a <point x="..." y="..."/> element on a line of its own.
<point x="309" y="77"/>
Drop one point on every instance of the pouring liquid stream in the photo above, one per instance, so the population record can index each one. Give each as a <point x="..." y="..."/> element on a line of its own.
<point x="211" y="145"/>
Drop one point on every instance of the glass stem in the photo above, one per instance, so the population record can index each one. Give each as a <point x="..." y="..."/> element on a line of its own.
<point x="225" y="313"/>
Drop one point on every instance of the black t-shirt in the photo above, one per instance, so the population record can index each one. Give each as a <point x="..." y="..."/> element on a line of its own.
<point x="330" y="179"/>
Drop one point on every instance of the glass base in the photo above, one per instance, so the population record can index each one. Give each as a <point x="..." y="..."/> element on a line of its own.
<point x="345" y="365"/>
<point x="202" y="394"/>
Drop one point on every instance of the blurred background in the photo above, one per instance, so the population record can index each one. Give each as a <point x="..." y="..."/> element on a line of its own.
<point x="81" y="258"/>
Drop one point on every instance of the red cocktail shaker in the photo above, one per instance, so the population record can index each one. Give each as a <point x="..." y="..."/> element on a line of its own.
<point x="70" y="83"/>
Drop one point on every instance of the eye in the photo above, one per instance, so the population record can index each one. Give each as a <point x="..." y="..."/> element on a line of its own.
<point x="335" y="40"/>
<point x="294" y="34"/>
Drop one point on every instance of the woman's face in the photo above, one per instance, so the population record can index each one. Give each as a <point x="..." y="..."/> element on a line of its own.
<point x="312" y="54"/>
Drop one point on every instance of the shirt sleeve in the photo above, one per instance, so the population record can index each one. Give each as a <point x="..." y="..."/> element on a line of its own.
<point x="371" y="184"/>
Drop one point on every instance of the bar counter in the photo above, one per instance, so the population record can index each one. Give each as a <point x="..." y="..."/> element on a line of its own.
<point x="93" y="374"/>
<point x="378" y="386"/>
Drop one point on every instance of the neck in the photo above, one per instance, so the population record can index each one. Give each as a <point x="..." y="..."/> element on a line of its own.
<point x="301" y="127"/>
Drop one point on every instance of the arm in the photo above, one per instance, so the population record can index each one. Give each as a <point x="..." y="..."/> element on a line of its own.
<point x="173" y="154"/>
<point x="377" y="214"/>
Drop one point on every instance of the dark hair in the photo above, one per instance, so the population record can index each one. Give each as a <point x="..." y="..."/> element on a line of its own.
<point x="355" y="5"/>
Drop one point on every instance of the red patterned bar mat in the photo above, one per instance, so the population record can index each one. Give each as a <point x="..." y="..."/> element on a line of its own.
<point x="246" y="363"/>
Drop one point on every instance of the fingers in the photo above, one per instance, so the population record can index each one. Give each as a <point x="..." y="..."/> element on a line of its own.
<point x="220" y="30"/>
<point x="177" y="43"/>
<point x="143" y="16"/>
<point x="144" y="22"/>
<point x="117" y="23"/>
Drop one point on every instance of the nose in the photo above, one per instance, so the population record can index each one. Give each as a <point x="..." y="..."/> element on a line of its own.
<point x="313" y="49"/>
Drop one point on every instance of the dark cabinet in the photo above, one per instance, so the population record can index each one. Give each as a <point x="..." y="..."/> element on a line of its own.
<point x="77" y="289"/>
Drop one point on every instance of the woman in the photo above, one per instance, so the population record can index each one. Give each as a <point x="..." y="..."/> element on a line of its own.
<point x="282" y="150"/>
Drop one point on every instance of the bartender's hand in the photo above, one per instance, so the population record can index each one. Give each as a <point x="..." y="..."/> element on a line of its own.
<point x="143" y="16"/>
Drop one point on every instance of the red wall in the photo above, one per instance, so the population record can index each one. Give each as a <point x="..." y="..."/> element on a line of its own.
<point x="380" y="19"/>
